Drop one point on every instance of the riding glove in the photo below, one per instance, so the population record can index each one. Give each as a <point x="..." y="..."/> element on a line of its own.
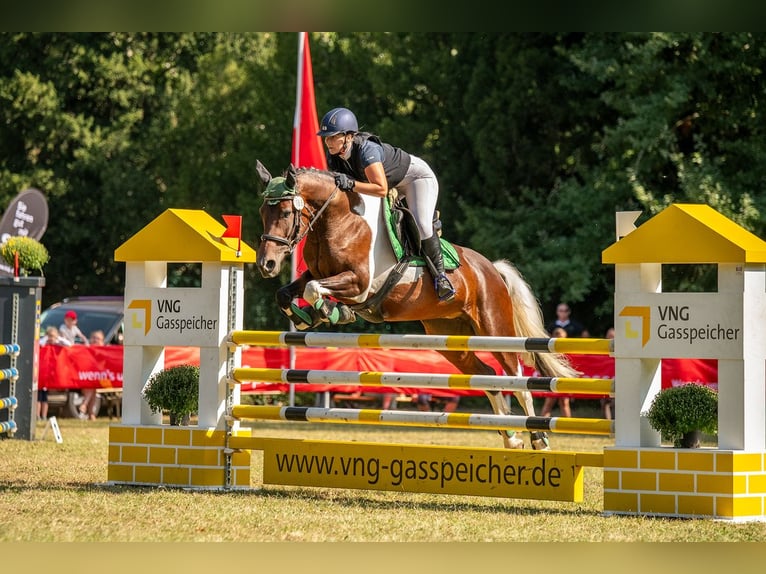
<point x="344" y="182"/>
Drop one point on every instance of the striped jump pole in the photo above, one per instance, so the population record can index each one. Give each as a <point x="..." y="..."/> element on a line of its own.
<point x="11" y="373"/>
<point x="9" y="403"/>
<point x="584" y="386"/>
<point x="433" y="342"/>
<point x="425" y="419"/>
<point x="8" y="426"/>
<point x="10" y="349"/>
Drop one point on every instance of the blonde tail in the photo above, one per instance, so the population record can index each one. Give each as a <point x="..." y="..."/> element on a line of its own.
<point x="528" y="322"/>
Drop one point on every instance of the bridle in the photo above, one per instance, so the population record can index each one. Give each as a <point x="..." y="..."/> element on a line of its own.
<point x="296" y="235"/>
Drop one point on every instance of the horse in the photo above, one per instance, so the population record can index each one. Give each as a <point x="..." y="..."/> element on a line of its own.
<point x="349" y="257"/>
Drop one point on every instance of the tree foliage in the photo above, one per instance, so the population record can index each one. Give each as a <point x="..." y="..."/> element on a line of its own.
<point x="537" y="139"/>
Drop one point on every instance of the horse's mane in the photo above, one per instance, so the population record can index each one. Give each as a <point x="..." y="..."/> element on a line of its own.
<point x="321" y="180"/>
<point x="312" y="171"/>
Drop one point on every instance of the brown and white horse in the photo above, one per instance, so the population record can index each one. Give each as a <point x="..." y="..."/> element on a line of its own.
<point x="349" y="256"/>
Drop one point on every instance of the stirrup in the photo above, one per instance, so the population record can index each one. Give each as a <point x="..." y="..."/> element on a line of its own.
<point x="444" y="289"/>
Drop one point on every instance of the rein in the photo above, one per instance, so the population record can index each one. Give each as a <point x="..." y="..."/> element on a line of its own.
<point x="297" y="234"/>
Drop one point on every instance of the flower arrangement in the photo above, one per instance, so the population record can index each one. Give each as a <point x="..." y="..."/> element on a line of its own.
<point x="681" y="410"/>
<point x="30" y="254"/>
<point x="175" y="390"/>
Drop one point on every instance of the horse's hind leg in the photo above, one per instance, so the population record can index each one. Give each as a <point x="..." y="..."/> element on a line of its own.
<point x="538" y="439"/>
<point x="467" y="362"/>
<point x="500" y="407"/>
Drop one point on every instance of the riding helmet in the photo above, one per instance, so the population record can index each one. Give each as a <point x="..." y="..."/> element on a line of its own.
<point x="338" y="120"/>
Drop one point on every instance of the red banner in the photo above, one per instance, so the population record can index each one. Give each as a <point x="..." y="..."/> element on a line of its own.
<point x="81" y="367"/>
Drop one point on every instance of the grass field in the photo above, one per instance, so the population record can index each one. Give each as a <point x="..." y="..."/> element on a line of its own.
<point x="53" y="492"/>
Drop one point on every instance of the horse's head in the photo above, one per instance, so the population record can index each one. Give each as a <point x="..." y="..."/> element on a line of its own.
<point x="292" y="208"/>
<point x="281" y="216"/>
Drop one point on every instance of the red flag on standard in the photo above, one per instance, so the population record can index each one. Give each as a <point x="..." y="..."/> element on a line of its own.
<point x="234" y="229"/>
<point x="307" y="145"/>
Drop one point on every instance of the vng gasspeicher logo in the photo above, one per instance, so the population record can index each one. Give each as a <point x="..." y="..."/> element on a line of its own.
<point x="168" y="316"/>
<point x="146" y="306"/>
<point x="675" y="323"/>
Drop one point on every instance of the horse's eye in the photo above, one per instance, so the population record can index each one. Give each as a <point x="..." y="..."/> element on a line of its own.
<point x="286" y="213"/>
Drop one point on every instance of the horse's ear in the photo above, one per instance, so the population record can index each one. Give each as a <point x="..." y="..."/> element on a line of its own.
<point x="263" y="173"/>
<point x="290" y="177"/>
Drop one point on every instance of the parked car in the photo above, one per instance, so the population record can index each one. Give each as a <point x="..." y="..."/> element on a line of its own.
<point x="103" y="313"/>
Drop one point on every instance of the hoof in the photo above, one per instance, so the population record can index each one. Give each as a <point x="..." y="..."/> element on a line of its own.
<point x="510" y="440"/>
<point x="515" y="443"/>
<point x="539" y="441"/>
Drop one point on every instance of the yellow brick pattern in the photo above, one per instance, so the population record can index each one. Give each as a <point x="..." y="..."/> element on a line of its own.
<point x="703" y="461"/>
<point x="756" y="484"/>
<point x="658" y="459"/>
<point x="183" y="457"/>
<point x="696" y="505"/>
<point x="751" y="462"/>
<point x="175" y="476"/>
<point x="620" y="458"/>
<point x="611" y="479"/>
<point x="705" y="483"/>
<point x="680" y="482"/>
<point x="162" y="455"/>
<point x="149" y="435"/>
<point x="177" y="436"/>
<point x="632" y="480"/>
<point x="148" y="474"/>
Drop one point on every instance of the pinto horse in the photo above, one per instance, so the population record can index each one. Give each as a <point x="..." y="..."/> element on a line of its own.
<point x="349" y="257"/>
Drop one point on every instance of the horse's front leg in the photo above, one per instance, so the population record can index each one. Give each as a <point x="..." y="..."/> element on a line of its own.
<point x="302" y="317"/>
<point x="343" y="285"/>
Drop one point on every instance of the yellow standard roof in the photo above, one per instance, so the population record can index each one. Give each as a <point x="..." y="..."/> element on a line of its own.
<point x="687" y="233"/>
<point x="183" y="236"/>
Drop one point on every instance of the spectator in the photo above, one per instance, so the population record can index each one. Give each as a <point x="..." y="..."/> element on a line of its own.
<point x="565" y="321"/>
<point x="70" y="331"/>
<point x="388" y="401"/>
<point x="607" y="403"/>
<point x="423" y="402"/>
<point x="562" y="400"/>
<point x="89" y="403"/>
<point x="51" y="337"/>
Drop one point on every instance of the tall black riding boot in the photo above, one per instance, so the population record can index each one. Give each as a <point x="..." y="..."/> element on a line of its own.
<point x="432" y="249"/>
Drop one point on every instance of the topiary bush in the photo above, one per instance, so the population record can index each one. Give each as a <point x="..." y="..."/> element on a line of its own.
<point x="175" y="390"/>
<point x="32" y="254"/>
<point x="683" y="409"/>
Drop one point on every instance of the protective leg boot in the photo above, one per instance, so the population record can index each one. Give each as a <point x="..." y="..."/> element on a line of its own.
<point x="334" y="312"/>
<point x="432" y="249"/>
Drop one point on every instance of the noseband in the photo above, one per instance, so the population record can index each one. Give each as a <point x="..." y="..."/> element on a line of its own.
<point x="296" y="235"/>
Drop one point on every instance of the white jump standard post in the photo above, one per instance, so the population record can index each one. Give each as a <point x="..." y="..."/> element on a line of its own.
<point x="142" y="450"/>
<point x="641" y="477"/>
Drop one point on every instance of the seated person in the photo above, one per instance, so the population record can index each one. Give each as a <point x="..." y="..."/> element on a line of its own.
<point x="423" y="402"/>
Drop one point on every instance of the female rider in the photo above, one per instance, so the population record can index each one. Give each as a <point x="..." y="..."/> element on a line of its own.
<point x="365" y="164"/>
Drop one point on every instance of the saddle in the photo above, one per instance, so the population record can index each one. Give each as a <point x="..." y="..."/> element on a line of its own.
<point x="405" y="237"/>
<point x="405" y="241"/>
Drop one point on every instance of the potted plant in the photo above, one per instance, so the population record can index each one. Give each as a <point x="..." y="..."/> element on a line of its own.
<point x="27" y="252"/>
<point x="175" y="390"/>
<point x="682" y="413"/>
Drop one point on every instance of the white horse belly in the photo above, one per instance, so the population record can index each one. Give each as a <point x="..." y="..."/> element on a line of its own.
<point x="381" y="257"/>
